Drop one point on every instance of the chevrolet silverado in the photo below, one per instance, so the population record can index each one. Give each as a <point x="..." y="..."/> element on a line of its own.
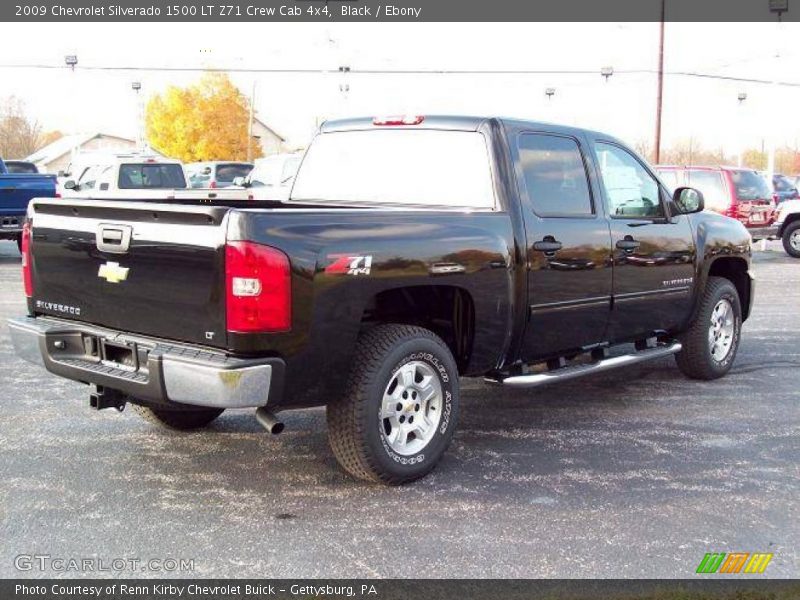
<point x="411" y="251"/>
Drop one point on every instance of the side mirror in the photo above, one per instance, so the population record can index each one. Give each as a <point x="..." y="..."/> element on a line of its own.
<point x="240" y="182"/>
<point x="70" y="185"/>
<point x="688" y="200"/>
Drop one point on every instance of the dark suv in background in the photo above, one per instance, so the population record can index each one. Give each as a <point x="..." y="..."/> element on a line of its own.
<point x="785" y="188"/>
<point x="732" y="191"/>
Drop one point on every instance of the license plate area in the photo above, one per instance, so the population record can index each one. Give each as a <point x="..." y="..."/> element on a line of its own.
<point x="120" y="356"/>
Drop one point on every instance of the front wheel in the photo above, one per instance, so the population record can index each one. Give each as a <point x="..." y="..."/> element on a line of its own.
<point x="400" y="408"/>
<point x="791" y="239"/>
<point x="710" y="345"/>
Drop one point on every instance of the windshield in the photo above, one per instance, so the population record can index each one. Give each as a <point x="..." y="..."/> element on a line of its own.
<point x="398" y="166"/>
<point x="151" y="176"/>
<point x="750" y="185"/>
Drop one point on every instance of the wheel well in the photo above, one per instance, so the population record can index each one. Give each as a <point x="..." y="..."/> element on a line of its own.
<point x="735" y="270"/>
<point x="446" y="310"/>
<point x="790" y="219"/>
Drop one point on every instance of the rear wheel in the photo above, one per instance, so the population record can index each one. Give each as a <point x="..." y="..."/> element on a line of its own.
<point x="791" y="239"/>
<point x="400" y="408"/>
<point x="183" y="419"/>
<point x="710" y="345"/>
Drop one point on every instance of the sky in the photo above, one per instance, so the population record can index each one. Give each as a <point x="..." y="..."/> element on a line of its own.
<point x="707" y="110"/>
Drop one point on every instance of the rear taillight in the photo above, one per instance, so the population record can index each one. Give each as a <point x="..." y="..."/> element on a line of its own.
<point x="258" y="288"/>
<point x="27" y="276"/>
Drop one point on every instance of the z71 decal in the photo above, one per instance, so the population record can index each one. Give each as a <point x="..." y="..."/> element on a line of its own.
<point x="344" y="264"/>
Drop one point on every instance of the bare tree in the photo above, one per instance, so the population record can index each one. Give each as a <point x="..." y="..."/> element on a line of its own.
<point x="19" y="135"/>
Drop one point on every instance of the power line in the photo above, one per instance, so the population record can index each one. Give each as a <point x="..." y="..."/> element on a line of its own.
<point x="356" y="71"/>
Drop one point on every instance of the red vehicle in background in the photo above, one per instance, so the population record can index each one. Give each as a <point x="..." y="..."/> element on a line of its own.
<point x="732" y="191"/>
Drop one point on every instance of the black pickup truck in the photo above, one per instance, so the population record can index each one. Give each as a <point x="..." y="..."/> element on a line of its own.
<point x="412" y="251"/>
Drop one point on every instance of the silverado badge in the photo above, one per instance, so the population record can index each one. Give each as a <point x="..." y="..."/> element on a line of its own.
<point x="112" y="272"/>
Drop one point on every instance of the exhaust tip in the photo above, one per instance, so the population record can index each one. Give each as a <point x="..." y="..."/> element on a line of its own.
<point x="269" y="421"/>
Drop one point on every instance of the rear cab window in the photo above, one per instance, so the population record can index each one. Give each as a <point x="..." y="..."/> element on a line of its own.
<point x="418" y="167"/>
<point x="151" y="176"/>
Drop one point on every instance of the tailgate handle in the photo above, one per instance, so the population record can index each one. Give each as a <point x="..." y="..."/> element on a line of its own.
<point x="115" y="239"/>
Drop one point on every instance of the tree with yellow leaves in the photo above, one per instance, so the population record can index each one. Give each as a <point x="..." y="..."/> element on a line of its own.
<point x="205" y="121"/>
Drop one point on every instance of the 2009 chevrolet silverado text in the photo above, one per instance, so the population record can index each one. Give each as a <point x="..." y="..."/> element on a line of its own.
<point x="411" y="252"/>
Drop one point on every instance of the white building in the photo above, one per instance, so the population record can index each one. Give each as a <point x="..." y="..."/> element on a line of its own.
<point x="58" y="155"/>
<point x="271" y="141"/>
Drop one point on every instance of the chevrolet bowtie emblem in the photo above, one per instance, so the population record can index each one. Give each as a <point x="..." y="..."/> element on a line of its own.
<point x="112" y="272"/>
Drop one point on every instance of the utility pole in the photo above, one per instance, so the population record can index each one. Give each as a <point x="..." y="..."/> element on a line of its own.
<point x="250" y="120"/>
<point x="660" y="92"/>
<point x="742" y="97"/>
<point x="776" y="7"/>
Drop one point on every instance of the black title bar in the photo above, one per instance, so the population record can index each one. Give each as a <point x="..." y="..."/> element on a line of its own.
<point x="399" y="10"/>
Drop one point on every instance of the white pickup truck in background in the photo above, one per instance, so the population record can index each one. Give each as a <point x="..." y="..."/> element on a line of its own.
<point x="136" y="177"/>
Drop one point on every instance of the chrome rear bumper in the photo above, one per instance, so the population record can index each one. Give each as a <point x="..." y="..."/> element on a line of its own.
<point x="153" y="370"/>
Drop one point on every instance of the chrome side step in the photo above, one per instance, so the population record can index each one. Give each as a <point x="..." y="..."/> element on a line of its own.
<point x="606" y="364"/>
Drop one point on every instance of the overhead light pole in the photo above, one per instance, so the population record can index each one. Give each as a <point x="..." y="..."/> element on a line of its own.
<point x="136" y="86"/>
<point x="550" y="92"/>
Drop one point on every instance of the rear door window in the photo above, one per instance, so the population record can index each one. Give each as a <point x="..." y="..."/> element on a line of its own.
<point x="555" y="176"/>
<point x="151" y="176"/>
<point x="713" y="187"/>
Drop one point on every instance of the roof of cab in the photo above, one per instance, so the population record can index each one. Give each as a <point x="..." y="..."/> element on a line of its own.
<point x="453" y="123"/>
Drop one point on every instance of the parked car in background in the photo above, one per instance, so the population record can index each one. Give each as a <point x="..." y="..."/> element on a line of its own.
<point x="140" y="178"/>
<point x="272" y="177"/>
<point x="787" y="223"/>
<point x="735" y="192"/>
<point x="21" y="167"/>
<point x="16" y="190"/>
<point x="216" y="174"/>
<point x="785" y="188"/>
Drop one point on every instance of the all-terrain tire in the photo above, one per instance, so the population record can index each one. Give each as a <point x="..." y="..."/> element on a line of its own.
<point x="183" y="420"/>
<point x="792" y="230"/>
<point x="356" y="427"/>
<point x="696" y="360"/>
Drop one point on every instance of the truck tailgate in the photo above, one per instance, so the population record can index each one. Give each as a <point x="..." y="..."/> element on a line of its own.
<point x="153" y="269"/>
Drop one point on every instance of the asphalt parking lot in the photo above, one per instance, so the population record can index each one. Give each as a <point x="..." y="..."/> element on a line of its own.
<point x="634" y="473"/>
